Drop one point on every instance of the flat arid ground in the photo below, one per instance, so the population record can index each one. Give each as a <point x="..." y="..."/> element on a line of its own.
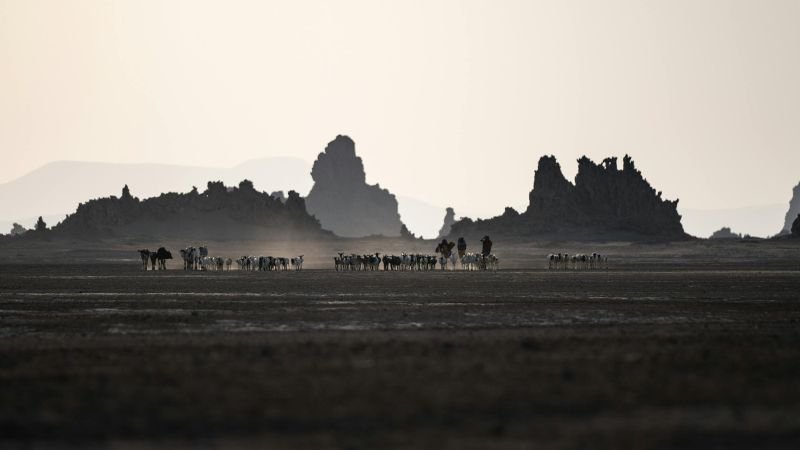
<point x="684" y="346"/>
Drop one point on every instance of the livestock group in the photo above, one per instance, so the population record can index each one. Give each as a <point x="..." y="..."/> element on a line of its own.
<point x="446" y="258"/>
<point x="486" y="260"/>
<point x="267" y="263"/>
<point x="157" y="258"/>
<point x="415" y="262"/>
<point x="579" y="261"/>
<point x="197" y="258"/>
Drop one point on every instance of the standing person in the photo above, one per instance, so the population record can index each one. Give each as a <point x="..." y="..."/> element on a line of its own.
<point x="487" y="246"/>
<point x="462" y="247"/>
<point x="441" y="247"/>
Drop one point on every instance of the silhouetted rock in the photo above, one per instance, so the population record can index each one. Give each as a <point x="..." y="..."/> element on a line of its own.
<point x="25" y="197"/>
<point x="279" y="195"/>
<point x="406" y="233"/>
<point x="245" y="186"/>
<point x="40" y="225"/>
<point x="725" y="233"/>
<point x="217" y="213"/>
<point x="449" y="220"/>
<point x="604" y="202"/>
<point x="796" y="226"/>
<point x="510" y="213"/>
<point x="794" y="210"/>
<point x="17" y="230"/>
<point x="552" y="194"/>
<point x="342" y="200"/>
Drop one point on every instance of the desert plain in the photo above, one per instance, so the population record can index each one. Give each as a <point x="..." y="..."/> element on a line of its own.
<point x="682" y="345"/>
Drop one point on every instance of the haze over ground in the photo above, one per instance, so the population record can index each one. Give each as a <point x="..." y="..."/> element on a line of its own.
<point x="452" y="102"/>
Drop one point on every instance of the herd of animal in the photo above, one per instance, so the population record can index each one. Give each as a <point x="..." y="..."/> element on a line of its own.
<point x="267" y="263"/>
<point x="197" y="258"/>
<point x="416" y="262"/>
<point x="157" y="258"/>
<point x="580" y="261"/>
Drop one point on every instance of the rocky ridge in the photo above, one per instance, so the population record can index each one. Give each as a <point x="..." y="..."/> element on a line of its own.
<point x="217" y="213"/>
<point x="604" y="202"/>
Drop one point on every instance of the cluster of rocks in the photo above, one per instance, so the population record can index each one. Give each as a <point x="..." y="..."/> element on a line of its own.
<point x="218" y="211"/>
<point x="604" y="201"/>
<point x="725" y="233"/>
<point x="18" y="230"/>
<point x="343" y="201"/>
<point x="39" y="230"/>
<point x="340" y="201"/>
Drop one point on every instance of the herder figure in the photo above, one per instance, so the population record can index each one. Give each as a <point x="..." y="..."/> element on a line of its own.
<point x="487" y="246"/>
<point x="462" y="247"/>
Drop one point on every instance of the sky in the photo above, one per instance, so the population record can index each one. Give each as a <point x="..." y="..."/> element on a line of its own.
<point x="450" y="102"/>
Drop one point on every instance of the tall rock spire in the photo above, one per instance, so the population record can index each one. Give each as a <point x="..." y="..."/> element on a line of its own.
<point x="342" y="200"/>
<point x="794" y="210"/>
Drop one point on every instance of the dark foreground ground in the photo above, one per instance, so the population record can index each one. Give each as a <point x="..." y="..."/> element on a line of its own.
<point x="105" y="355"/>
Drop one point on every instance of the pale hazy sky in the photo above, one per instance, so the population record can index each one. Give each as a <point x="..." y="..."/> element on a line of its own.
<point x="452" y="102"/>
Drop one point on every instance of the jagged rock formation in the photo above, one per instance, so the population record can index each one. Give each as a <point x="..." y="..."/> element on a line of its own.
<point x="25" y="198"/>
<point x="449" y="220"/>
<point x="725" y="233"/>
<point x="279" y="195"/>
<point x="40" y="225"/>
<point x="342" y="200"/>
<point x="17" y="230"/>
<point x="217" y="213"/>
<point x="604" y="202"/>
<point x="796" y="227"/>
<point x="794" y="210"/>
<point x="406" y="233"/>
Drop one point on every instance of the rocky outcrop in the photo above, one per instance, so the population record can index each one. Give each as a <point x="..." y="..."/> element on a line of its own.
<point x="796" y="226"/>
<point x="279" y="195"/>
<point x="794" y="210"/>
<point x="219" y="212"/>
<point x="406" y="233"/>
<point x="40" y="226"/>
<point x="342" y="200"/>
<point x="17" y="230"/>
<point x="725" y="233"/>
<point x="449" y="220"/>
<point x="24" y="199"/>
<point x="604" y="201"/>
